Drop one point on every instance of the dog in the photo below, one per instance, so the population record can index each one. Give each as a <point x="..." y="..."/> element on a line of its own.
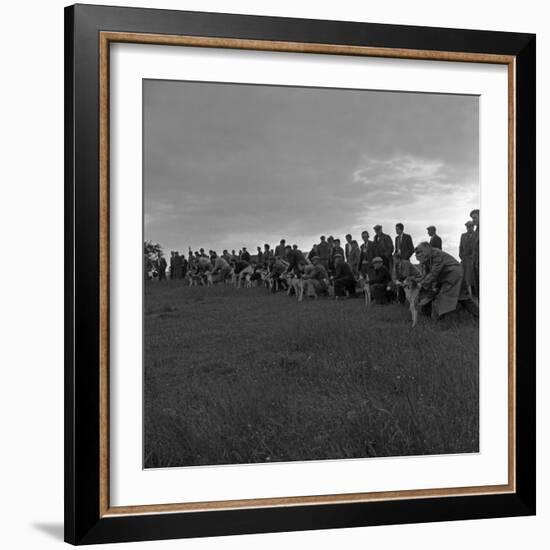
<point x="244" y="277"/>
<point x="296" y="285"/>
<point x="209" y="279"/>
<point x="195" y="278"/>
<point x="412" y="290"/>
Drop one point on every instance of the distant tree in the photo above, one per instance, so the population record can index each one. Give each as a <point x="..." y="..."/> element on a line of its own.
<point x="151" y="253"/>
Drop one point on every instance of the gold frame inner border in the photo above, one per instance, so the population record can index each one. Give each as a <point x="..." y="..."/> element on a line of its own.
<point x="105" y="39"/>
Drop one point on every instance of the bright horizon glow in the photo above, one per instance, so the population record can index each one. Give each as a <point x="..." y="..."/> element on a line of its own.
<point x="233" y="165"/>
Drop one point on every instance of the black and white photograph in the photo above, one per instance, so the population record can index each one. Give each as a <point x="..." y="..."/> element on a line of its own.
<point x="311" y="273"/>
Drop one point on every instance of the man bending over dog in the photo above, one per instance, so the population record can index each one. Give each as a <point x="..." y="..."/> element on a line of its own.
<point x="444" y="276"/>
<point x="315" y="279"/>
<point x="221" y="270"/>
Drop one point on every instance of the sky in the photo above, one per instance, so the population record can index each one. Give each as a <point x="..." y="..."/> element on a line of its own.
<point x="233" y="165"/>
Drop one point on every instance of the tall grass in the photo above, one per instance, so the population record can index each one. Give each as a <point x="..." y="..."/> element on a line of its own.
<point x="243" y="376"/>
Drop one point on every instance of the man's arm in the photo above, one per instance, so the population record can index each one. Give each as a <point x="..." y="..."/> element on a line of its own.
<point x="435" y="269"/>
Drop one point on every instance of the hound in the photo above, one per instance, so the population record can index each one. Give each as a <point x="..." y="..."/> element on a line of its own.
<point x="209" y="280"/>
<point x="244" y="277"/>
<point x="296" y="284"/>
<point x="411" y="288"/>
<point x="195" y="278"/>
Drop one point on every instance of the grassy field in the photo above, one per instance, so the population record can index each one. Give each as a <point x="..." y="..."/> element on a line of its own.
<point x="241" y="376"/>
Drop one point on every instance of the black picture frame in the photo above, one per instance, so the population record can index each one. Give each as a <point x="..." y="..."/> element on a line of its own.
<point x="84" y="523"/>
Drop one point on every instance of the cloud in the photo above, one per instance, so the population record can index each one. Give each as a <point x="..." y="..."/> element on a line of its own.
<point x="238" y="165"/>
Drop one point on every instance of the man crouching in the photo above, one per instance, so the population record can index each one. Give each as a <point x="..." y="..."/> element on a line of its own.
<point x="344" y="281"/>
<point x="315" y="279"/>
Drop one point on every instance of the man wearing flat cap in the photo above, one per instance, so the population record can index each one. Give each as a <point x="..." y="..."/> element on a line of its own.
<point x="435" y="239"/>
<point x="466" y="253"/>
<point x="379" y="279"/>
<point x="383" y="246"/>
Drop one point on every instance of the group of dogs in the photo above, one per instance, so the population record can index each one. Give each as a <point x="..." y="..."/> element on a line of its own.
<point x="295" y="285"/>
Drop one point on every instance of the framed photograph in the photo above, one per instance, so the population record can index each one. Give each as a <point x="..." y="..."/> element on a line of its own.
<point x="281" y="313"/>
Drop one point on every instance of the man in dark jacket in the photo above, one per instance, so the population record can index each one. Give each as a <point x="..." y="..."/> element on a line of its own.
<point x="296" y="260"/>
<point x="343" y="277"/>
<point x="161" y="267"/>
<point x="323" y="251"/>
<point x="379" y="278"/>
<point x="383" y="246"/>
<point x="367" y="253"/>
<point x="280" y="249"/>
<point x="337" y="249"/>
<point x="466" y="253"/>
<point x="245" y="255"/>
<point x="474" y="214"/>
<point x="403" y="251"/>
<point x="435" y="239"/>
<point x="403" y="243"/>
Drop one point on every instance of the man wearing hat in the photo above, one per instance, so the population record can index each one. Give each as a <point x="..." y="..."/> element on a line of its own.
<point x="435" y="239"/>
<point x="466" y="253"/>
<point x="443" y="273"/>
<point x="379" y="278"/>
<point x="343" y="277"/>
<point x="383" y="246"/>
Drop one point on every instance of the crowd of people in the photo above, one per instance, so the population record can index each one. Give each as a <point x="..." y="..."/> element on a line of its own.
<point x="383" y="262"/>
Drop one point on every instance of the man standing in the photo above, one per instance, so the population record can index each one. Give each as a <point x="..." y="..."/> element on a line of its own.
<point x="323" y="250"/>
<point x="178" y="266"/>
<point x="337" y="249"/>
<point x="161" y="267"/>
<point x="280" y="249"/>
<point x="245" y="255"/>
<point x="344" y="281"/>
<point x="354" y="258"/>
<point x="367" y="253"/>
<point x="349" y="240"/>
<point x="474" y="214"/>
<point x="172" y="269"/>
<point x="403" y="251"/>
<point x="435" y="239"/>
<point x="466" y="254"/>
<point x="383" y="246"/>
<point x="403" y="243"/>
<point x="268" y="254"/>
